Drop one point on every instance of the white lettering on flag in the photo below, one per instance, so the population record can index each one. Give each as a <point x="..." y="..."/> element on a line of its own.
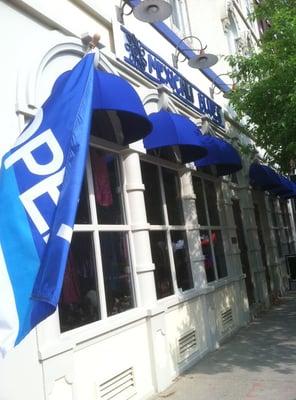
<point x="65" y="232"/>
<point x="49" y="185"/>
<point x="25" y="153"/>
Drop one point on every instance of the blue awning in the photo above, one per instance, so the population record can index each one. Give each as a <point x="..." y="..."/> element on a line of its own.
<point x="170" y="129"/>
<point x="221" y="154"/>
<point x="286" y="190"/>
<point x="265" y="178"/>
<point x="113" y="93"/>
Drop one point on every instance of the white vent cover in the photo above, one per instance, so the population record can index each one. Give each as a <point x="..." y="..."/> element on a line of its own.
<point x="119" y="387"/>
<point x="187" y="344"/>
<point x="227" y="320"/>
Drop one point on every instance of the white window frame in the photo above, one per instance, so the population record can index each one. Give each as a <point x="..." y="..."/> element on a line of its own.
<point x="95" y="228"/>
<point x="181" y="12"/>
<point x="210" y="228"/>
<point x="166" y="227"/>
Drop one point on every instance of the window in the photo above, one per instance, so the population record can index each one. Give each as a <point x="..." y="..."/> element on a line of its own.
<point x="98" y="279"/>
<point x="168" y="237"/>
<point x="232" y="34"/>
<point x="179" y="21"/>
<point x="275" y="224"/>
<point x="210" y="233"/>
<point x="287" y="246"/>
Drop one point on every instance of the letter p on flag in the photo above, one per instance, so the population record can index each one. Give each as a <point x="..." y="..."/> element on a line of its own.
<point x="48" y="159"/>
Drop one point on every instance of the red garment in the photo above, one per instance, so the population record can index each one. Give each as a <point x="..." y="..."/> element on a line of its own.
<point x="103" y="193"/>
<point x="71" y="291"/>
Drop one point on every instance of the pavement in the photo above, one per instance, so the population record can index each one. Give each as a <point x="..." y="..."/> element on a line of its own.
<point x="257" y="363"/>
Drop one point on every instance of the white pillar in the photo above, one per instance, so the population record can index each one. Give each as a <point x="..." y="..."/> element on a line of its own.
<point x="193" y="234"/>
<point x="140" y="232"/>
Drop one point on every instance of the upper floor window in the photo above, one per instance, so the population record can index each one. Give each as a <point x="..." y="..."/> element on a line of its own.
<point x="232" y="34"/>
<point x="179" y="21"/>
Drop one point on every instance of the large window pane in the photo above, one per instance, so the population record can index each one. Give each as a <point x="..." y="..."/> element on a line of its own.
<point x="107" y="187"/>
<point x="79" y="298"/>
<point x="278" y="242"/>
<point x="272" y="211"/>
<point x="219" y="253"/>
<point x="117" y="272"/>
<point x="160" y="257"/>
<point x="200" y="201"/>
<point x="207" y="252"/>
<point x="152" y="194"/>
<point x="181" y="259"/>
<point x="211" y="198"/>
<point x="173" y="197"/>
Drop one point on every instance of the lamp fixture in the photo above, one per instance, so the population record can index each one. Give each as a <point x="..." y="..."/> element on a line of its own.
<point x="201" y="60"/>
<point x="226" y="95"/>
<point x="146" y="11"/>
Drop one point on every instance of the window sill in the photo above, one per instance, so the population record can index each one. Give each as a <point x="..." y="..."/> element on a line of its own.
<point x="97" y="331"/>
<point x="90" y="333"/>
<point x="226" y="281"/>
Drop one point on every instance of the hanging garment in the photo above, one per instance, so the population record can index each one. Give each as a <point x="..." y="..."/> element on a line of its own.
<point x="103" y="193"/>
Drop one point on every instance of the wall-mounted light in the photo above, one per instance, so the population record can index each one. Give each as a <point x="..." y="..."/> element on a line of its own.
<point x="201" y="60"/>
<point x="226" y="94"/>
<point x="147" y="10"/>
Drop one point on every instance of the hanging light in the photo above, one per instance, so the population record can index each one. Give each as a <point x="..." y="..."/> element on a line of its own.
<point x="201" y="60"/>
<point x="146" y="11"/>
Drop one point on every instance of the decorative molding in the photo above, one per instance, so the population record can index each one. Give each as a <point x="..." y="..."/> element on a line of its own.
<point x="31" y="70"/>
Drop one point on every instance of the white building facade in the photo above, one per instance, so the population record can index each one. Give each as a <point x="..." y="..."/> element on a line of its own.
<point x="167" y="260"/>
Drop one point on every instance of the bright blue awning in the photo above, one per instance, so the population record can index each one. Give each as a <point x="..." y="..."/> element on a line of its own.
<point x="265" y="178"/>
<point x="221" y="154"/>
<point x="170" y="129"/>
<point x="113" y="93"/>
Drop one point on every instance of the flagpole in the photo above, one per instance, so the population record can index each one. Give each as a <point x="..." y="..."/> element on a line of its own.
<point x="93" y="43"/>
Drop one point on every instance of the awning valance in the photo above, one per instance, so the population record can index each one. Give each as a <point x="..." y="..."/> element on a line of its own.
<point x="170" y="129"/>
<point x="221" y="154"/>
<point x="265" y="178"/>
<point x="286" y="190"/>
<point x="113" y="93"/>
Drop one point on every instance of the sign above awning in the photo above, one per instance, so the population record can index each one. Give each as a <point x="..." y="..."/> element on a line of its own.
<point x="156" y="69"/>
<point x="221" y="154"/>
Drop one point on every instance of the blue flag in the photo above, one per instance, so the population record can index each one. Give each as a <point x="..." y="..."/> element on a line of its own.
<point x="40" y="182"/>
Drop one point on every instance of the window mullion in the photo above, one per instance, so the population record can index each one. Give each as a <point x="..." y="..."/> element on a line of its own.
<point x="132" y="253"/>
<point x="100" y="275"/>
<point x="172" y="261"/>
<point x="96" y="240"/>
<point x="164" y="204"/>
<point x="168" y="236"/>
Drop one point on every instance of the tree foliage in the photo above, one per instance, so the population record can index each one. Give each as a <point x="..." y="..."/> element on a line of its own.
<point x="266" y="84"/>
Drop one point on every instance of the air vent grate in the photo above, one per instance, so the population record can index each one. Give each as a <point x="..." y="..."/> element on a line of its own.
<point x="187" y="344"/>
<point x="227" y="320"/>
<point x="119" y="387"/>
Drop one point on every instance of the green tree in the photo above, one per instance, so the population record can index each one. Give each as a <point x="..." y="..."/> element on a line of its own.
<point x="266" y="84"/>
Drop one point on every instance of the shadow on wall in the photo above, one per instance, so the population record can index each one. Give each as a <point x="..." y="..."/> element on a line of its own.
<point x="268" y="342"/>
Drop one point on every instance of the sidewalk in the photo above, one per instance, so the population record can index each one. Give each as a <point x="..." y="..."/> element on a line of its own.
<point x="258" y="363"/>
